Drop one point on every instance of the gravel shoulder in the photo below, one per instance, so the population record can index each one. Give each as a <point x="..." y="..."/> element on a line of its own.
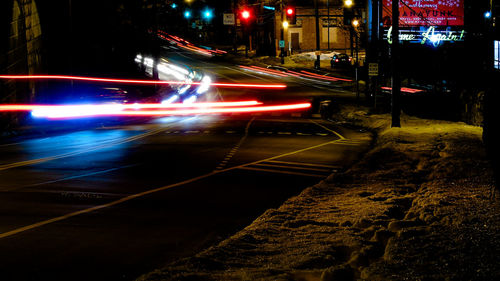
<point x="417" y="206"/>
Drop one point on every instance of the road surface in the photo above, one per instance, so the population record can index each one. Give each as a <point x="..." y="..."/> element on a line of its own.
<point x="116" y="200"/>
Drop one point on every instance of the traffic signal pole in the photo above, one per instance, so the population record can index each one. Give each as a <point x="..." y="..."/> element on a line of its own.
<point x="318" y="47"/>
<point x="282" y="32"/>
<point x="396" y="78"/>
<point x="235" y="26"/>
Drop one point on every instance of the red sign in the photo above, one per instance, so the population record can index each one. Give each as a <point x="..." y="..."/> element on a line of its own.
<point x="426" y="12"/>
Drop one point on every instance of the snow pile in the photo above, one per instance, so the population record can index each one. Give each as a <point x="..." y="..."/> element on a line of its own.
<point x="311" y="56"/>
<point x="416" y="207"/>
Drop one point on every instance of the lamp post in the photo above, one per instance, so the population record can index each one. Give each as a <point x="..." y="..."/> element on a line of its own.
<point x="355" y="24"/>
<point x="318" y="56"/>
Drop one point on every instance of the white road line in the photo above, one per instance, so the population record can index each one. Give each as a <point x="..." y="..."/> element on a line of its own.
<point x="293" y="168"/>
<point x="237" y="146"/>
<point x="72" y="177"/>
<point x="328" y="129"/>
<point x="305" y="164"/>
<point x="83" y="151"/>
<point x="282" y="172"/>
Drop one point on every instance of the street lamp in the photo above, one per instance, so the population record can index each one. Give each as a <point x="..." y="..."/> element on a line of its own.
<point x="348" y="3"/>
<point x="355" y="24"/>
<point x="285" y="24"/>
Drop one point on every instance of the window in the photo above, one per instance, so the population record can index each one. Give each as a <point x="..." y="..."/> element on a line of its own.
<point x="496" y="58"/>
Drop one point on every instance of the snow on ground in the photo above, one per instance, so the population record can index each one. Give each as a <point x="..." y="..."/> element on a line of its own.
<point x="312" y="56"/>
<point x="415" y="207"/>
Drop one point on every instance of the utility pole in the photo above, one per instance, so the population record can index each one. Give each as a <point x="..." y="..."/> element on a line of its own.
<point x="328" y="20"/>
<point x="282" y="32"/>
<point x="317" y="63"/>
<point x="396" y="78"/>
<point x="373" y="54"/>
<point x="235" y="26"/>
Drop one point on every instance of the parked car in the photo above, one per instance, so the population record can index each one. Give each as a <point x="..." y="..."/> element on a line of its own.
<point x="341" y="61"/>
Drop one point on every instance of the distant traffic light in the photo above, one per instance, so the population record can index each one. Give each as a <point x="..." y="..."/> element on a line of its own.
<point x="487" y="15"/>
<point x="246" y="15"/>
<point x="207" y="14"/>
<point x="348" y="16"/>
<point x="291" y="15"/>
<point x="187" y="14"/>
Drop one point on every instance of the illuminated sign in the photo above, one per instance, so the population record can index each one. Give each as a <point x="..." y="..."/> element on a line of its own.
<point x="496" y="57"/>
<point x="426" y="13"/>
<point x="427" y="35"/>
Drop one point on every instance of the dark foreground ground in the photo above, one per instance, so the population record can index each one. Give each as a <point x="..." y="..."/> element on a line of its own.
<point x="416" y="207"/>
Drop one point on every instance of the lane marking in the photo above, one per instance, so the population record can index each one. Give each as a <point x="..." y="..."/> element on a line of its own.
<point x="91" y="149"/>
<point x="148" y="192"/>
<point x="71" y="178"/>
<point x="282" y="172"/>
<point x="95" y="208"/>
<point x="236" y="147"/>
<point x="328" y="129"/>
<point x="294" y="167"/>
<point x="305" y="164"/>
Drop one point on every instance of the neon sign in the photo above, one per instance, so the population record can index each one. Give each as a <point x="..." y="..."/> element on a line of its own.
<point x="426" y="12"/>
<point x="430" y="35"/>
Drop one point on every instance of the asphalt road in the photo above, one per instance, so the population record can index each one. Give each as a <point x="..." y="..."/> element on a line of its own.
<point x="114" y="201"/>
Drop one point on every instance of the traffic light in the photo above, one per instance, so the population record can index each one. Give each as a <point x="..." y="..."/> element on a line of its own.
<point x="246" y="15"/>
<point x="187" y="14"/>
<point x="207" y="14"/>
<point x="348" y="15"/>
<point x="291" y="15"/>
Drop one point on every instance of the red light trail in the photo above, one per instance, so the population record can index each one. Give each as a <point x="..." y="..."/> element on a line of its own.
<point x="136" y="106"/>
<point x="325" y="77"/>
<point x="264" y="108"/>
<point x="148" y="109"/>
<point x="134" y="81"/>
<point x="404" y="90"/>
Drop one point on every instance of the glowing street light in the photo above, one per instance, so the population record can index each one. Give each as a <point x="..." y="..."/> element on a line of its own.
<point x="355" y="23"/>
<point x="348" y="3"/>
<point x="285" y="24"/>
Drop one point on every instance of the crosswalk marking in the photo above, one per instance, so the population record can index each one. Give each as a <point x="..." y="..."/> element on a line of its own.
<point x="282" y="172"/>
<point x="292" y="167"/>
<point x="304" y="164"/>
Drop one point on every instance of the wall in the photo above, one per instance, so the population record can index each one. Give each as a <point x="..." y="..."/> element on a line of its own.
<point x="20" y="52"/>
<point x="306" y="27"/>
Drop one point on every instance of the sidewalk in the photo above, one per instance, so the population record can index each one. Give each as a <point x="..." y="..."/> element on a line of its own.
<point x="416" y="207"/>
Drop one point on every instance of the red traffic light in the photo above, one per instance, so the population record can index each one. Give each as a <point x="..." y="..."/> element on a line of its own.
<point x="290" y="15"/>
<point x="245" y="14"/>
